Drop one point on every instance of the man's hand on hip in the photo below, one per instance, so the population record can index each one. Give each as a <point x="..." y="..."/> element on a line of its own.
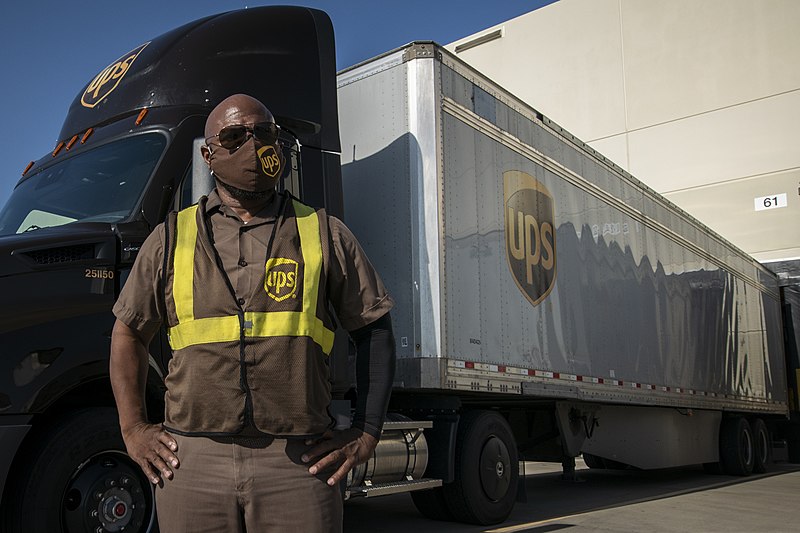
<point x="153" y="448"/>
<point x="347" y="448"/>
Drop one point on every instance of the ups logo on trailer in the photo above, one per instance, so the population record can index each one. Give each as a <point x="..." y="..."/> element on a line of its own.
<point x="280" y="281"/>
<point x="530" y="237"/>
<point x="108" y="79"/>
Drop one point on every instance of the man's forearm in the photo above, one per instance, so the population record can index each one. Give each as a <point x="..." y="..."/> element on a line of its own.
<point x="375" y="360"/>
<point x="128" y="372"/>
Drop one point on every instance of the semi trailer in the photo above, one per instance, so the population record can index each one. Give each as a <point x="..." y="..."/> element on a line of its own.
<point x="548" y="303"/>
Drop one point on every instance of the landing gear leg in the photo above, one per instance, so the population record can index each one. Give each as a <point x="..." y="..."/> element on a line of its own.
<point x="568" y="470"/>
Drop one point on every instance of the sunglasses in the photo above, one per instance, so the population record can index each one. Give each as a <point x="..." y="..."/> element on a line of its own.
<point x="232" y="137"/>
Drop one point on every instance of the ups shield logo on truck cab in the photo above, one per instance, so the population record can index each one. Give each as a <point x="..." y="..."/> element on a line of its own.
<point x="530" y="237"/>
<point x="109" y="78"/>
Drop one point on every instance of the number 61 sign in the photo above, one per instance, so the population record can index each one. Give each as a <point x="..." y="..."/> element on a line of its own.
<point x="772" y="201"/>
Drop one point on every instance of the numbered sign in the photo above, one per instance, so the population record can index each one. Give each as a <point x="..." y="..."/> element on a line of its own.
<point x="772" y="201"/>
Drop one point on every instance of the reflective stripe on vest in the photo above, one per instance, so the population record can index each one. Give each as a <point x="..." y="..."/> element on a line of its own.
<point x="190" y="331"/>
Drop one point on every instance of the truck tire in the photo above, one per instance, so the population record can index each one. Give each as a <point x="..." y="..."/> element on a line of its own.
<point x="486" y="470"/>
<point x="763" y="446"/>
<point x="432" y="505"/>
<point x="76" y="477"/>
<point x="736" y="449"/>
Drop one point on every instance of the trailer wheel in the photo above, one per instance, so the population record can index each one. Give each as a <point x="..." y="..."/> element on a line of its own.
<point x="486" y="471"/>
<point x="736" y="449"/>
<point x="763" y="446"/>
<point x="77" y="477"/>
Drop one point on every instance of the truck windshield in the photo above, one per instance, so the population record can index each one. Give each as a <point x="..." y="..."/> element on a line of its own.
<point x="102" y="185"/>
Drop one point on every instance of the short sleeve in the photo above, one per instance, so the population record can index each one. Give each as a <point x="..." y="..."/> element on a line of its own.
<point x="354" y="287"/>
<point x="140" y="304"/>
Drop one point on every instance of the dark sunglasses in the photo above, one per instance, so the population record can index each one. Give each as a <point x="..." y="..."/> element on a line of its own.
<point x="232" y="137"/>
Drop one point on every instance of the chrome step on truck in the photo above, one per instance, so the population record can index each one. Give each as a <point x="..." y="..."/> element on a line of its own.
<point x="397" y="465"/>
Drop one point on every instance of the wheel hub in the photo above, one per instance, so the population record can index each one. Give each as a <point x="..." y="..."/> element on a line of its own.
<point x="108" y="494"/>
<point x="495" y="464"/>
<point x="115" y="509"/>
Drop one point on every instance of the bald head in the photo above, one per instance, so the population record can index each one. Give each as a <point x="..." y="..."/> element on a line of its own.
<point x="236" y="109"/>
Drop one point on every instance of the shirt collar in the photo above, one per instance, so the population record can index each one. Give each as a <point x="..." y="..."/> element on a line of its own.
<point x="268" y="214"/>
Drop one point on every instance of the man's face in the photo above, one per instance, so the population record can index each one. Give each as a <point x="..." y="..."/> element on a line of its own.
<point x="235" y="110"/>
<point x="242" y="148"/>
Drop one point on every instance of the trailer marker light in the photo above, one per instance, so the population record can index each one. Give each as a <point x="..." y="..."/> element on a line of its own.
<point x="58" y="148"/>
<point x="71" y="142"/>
<point x="86" y="135"/>
<point x="27" y="168"/>
<point x="469" y="364"/>
<point x="141" y="116"/>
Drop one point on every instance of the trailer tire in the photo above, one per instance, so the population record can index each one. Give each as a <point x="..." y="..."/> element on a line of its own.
<point x="486" y="470"/>
<point x="763" y="446"/>
<point x="432" y="505"/>
<point x="736" y="449"/>
<point x="69" y="465"/>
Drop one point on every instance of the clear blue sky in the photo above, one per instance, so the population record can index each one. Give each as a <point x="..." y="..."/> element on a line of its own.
<point x="50" y="49"/>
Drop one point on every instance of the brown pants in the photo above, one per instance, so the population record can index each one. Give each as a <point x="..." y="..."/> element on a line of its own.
<point x="238" y="484"/>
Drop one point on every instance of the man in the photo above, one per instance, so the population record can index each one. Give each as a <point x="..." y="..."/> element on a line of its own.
<point x="243" y="281"/>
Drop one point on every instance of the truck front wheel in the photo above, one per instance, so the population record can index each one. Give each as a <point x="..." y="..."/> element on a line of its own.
<point x="77" y="477"/>
<point x="486" y="470"/>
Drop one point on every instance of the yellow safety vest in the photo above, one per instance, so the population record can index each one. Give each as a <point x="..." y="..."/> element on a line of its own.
<point x="191" y="331"/>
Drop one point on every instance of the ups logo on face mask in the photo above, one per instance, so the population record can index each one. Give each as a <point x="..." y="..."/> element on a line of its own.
<point x="108" y="79"/>
<point x="281" y="278"/>
<point x="270" y="161"/>
<point x="530" y="237"/>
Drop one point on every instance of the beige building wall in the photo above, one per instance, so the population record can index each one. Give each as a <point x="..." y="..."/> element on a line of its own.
<point x="700" y="99"/>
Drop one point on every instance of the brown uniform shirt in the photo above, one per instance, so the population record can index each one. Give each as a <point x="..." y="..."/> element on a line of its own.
<point x="355" y="290"/>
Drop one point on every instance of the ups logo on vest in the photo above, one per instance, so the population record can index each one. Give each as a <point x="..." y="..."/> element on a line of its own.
<point x="280" y="281"/>
<point x="530" y="238"/>
<point x="108" y="79"/>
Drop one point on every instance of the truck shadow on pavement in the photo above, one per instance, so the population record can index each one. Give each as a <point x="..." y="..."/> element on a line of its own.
<point x="551" y="499"/>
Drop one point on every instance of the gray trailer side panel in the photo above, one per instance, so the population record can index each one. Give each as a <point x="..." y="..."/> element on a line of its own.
<point x="648" y="306"/>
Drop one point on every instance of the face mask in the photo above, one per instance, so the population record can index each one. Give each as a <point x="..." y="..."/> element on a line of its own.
<point x="248" y="168"/>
